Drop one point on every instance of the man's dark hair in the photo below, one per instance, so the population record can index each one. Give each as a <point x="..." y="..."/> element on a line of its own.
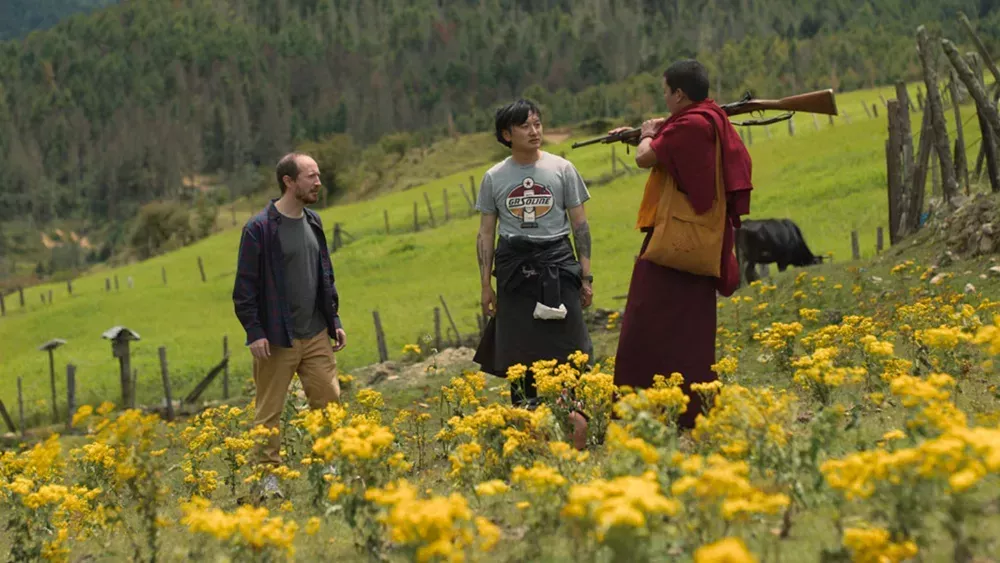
<point x="287" y="166"/>
<point x="690" y="76"/>
<point x="514" y="113"/>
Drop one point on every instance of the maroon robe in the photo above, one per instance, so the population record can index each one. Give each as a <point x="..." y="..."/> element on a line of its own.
<point x="669" y="323"/>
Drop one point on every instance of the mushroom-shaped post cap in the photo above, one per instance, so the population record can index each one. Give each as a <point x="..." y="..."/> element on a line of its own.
<point x="120" y="333"/>
<point x="51" y="344"/>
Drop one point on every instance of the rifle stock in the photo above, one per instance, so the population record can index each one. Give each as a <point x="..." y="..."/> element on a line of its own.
<point x="820" y="101"/>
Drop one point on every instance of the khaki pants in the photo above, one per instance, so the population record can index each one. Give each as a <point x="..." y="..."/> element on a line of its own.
<point x="316" y="366"/>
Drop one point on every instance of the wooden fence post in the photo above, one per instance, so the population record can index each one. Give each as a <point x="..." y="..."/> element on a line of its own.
<point x="437" y="328"/>
<point x="430" y="210"/>
<point x="894" y="172"/>
<point x="614" y="161"/>
<point x="205" y="382"/>
<point x="906" y="139"/>
<point x="116" y="282"/>
<point x="3" y="306"/>
<point x="470" y="201"/>
<point x="935" y="173"/>
<point x="338" y="238"/>
<point x="6" y="417"/>
<point x="416" y="218"/>
<point x="961" y="162"/>
<point x="165" y="372"/>
<point x="855" y="249"/>
<point x="941" y="144"/>
<point x="70" y="394"/>
<point x="20" y="295"/>
<point x="915" y="200"/>
<point x="451" y="320"/>
<point x="447" y="210"/>
<point x="201" y="268"/>
<point x="864" y="106"/>
<point x="20" y="406"/>
<point x="52" y="383"/>
<point x="385" y="214"/>
<point x="878" y="240"/>
<point x="472" y="188"/>
<point x="50" y="297"/>
<point x="120" y="349"/>
<point x="225" y="372"/>
<point x="69" y="286"/>
<point x="383" y="352"/>
<point x="791" y="127"/>
<point x="983" y="51"/>
<point x="988" y="145"/>
<point x="974" y="85"/>
<point x="163" y="274"/>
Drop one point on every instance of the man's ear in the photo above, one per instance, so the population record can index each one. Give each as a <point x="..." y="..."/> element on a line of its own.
<point x="506" y="135"/>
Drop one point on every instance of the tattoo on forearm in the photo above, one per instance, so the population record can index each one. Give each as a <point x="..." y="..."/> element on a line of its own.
<point x="481" y="252"/>
<point x="581" y="235"/>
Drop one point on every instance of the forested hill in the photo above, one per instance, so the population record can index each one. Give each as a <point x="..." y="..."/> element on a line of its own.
<point x="102" y="113"/>
<point x="20" y="17"/>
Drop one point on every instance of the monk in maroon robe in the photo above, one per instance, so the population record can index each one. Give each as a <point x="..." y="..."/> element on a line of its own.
<point x="669" y="324"/>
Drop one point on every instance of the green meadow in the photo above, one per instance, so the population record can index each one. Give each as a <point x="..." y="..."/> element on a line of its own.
<point x="828" y="177"/>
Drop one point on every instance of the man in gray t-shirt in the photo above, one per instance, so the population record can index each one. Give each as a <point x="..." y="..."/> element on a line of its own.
<point x="543" y="282"/>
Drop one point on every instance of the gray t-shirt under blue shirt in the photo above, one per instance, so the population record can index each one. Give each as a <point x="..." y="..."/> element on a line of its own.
<point x="531" y="199"/>
<point x="302" y="275"/>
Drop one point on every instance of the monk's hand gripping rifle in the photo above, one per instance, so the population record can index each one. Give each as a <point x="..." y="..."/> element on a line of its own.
<point x="820" y="101"/>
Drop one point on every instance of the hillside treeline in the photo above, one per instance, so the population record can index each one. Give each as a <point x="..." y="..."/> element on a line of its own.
<point x="20" y="17"/>
<point x="103" y="113"/>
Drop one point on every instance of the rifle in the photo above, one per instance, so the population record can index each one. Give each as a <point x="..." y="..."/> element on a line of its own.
<point x="820" y="101"/>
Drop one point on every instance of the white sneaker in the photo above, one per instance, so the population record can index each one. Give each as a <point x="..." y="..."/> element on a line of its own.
<point x="269" y="488"/>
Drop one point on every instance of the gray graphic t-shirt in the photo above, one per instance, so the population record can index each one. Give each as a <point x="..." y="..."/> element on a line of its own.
<point x="531" y="199"/>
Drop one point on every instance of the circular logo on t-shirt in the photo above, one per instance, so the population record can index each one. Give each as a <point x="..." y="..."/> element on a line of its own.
<point x="529" y="202"/>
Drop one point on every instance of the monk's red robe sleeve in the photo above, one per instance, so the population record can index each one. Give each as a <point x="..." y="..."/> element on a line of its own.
<point x="686" y="148"/>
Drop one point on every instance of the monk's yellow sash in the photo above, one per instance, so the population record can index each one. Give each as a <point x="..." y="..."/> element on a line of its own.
<point x="683" y="239"/>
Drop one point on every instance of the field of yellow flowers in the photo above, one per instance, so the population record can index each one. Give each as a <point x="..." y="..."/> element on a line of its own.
<point x="868" y="435"/>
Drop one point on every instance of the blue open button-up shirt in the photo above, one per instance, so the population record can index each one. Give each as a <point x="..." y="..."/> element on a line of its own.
<point x="259" y="290"/>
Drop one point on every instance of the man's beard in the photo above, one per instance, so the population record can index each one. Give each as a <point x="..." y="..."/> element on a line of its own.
<point x="307" y="196"/>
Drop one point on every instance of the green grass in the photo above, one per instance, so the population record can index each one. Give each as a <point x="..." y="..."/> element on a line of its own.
<point x="830" y="181"/>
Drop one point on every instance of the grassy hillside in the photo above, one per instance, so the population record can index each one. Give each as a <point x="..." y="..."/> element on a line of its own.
<point x="830" y="181"/>
<point x="878" y="442"/>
